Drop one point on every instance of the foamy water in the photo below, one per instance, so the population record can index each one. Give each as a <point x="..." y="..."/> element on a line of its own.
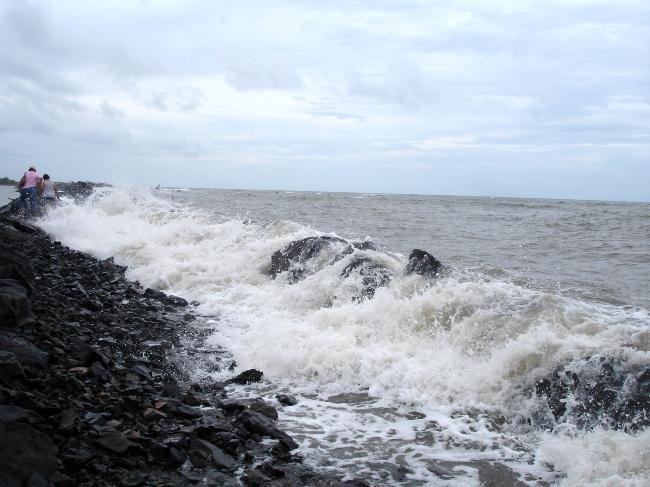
<point x="428" y="382"/>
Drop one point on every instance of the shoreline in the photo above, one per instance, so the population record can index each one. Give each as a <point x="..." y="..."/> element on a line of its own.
<point x="90" y="393"/>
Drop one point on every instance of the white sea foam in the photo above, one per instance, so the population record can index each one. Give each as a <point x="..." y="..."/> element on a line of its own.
<point x="462" y="342"/>
<point x="600" y="458"/>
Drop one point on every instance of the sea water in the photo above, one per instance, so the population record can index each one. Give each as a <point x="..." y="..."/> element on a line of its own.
<point x="7" y="193"/>
<point x="430" y="382"/>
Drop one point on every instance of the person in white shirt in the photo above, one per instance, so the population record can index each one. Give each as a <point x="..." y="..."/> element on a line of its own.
<point x="49" y="191"/>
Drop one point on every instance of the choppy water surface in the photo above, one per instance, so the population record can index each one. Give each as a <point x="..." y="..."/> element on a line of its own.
<point x="428" y="382"/>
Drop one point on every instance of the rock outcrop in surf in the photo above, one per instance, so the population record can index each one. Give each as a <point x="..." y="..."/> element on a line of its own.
<point x="293" y="257"/>
<point x="597" y="391"/>
<point x="298" y="260"/>
<point x="422" y="263"/>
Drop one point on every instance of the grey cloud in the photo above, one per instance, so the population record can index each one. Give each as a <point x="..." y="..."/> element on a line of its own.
<point x="109" y="111"/>
<point x="262" y="76"/>
<point x="185" y="98"/>
<point x="27" y="23"/>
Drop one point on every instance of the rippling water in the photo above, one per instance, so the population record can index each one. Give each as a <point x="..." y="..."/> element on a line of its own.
<point x="430" y="381"/>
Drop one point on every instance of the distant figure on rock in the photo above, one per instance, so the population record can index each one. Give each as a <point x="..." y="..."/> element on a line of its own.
<point x="50" y="193"/>
<point x="27" y="187"/>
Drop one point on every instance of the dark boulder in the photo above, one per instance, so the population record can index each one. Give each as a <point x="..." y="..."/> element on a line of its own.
<point x="26" y="352"/>
<point x="10" y="367"/>
<point x="293" y="256"/>
<point x="12" y="266"/>
<point x="247" y="377"/>
<point x="259" y="424"/>
<point x="15" y="307"/>
<point x="286" y="400"/>
<point x="373" y="275"/>
<point x="219" y="457"/>
<point x="264" y="408"/>
<point x="422" y="263"/>
<point x="31" y="452"/>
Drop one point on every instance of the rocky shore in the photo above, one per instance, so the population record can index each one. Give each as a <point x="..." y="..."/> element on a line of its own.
<point x="91" y="393"/>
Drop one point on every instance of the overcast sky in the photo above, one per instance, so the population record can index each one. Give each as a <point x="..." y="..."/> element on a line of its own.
<point x="512" y="98"/>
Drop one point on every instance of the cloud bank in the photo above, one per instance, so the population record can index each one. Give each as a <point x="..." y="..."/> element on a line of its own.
<point x="544" y="99"/>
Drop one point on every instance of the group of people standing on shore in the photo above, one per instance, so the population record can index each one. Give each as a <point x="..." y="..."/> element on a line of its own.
<point x="35" y="189"/>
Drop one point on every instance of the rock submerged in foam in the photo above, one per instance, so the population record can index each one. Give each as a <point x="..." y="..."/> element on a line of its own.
<point x="373" y="275"/>
<point x="595" y="392"/>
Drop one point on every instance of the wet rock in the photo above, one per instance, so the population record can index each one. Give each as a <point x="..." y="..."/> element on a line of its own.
<point x="14" y="268"/>
<point x="233" y="406"/>
<point x="142" y="371"/>
<point x="259" y="424"/>
<point x="596" y="391"/>
<point x="26" y="352"/>
<point x="373" y="275"/>
<point x="180" y="409"/>
<point x="98" y="371"/>
<point x="15" y="307"/>
<point x="31" y="452"/>
<point x="247" y="377"/>
<point x="262" y="407"/>
<point x="220" y="458"/>
<point x="10" y="367"/>
<point x="286" y="400"/>
<point x="422" y="263"/>
<point x="226" y="440"/>
<point x="293" y="256"/>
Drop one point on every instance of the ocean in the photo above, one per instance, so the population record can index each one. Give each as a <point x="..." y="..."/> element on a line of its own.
<point x="428" y="381"/>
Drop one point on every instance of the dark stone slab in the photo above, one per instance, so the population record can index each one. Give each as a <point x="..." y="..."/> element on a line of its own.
<point x="31" y="452"/>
